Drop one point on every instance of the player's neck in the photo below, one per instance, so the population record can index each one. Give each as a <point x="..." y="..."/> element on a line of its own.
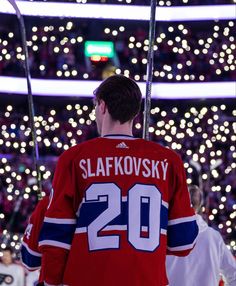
<point x="112" y="128"/>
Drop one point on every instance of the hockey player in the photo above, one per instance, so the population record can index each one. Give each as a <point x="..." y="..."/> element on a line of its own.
<point x="30" y="254"/>
<point x="119" y="203"/>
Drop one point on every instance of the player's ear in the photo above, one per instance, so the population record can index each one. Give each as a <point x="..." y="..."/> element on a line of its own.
<point x="103" y="106"/>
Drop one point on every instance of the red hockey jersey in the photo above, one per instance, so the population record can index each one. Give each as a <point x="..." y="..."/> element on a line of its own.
<point x="30" y="255"/>
<point x="119" y="205"/>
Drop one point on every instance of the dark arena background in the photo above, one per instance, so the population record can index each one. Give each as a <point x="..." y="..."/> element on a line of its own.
<point x="193" y="107"/>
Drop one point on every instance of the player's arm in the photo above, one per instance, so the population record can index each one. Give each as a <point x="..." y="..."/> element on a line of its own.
<point x="182" y="227"/>
<point x="227" y="264"/>
<point x="30" y="255"/>
<point x="59" y="223"/>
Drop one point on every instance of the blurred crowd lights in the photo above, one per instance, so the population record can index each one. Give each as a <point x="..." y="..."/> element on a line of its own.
<point x="174" y="134"/>
<point x="177" y="38"/>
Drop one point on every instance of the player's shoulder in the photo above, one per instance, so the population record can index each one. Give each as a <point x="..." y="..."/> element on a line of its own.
<point x="212" y="236"/>
<point x="214" y="233"/>
<point x="43" y="204"/>
<point x="74" y="151"/>
<point x="156" y="147"/>
<point x="40" y="210"/>
<point x="17" y="267"/>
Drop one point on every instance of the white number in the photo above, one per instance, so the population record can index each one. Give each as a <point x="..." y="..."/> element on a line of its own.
<point x="137" y="195"/>
<point x="28" y="230"/>
<point x="112" y="194"/>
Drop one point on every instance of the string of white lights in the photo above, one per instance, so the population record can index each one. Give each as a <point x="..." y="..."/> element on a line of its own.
<point x="84" y="88"/>
<point x="125" y="12"/>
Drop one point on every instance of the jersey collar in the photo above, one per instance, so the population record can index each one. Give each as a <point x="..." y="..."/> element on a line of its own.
<point x="118" y="136"/>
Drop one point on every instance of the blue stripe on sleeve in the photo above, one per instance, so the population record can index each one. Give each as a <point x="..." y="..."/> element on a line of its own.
<point x="182" y="233"/>
<point x="30" y="260"/>
<point x="57" y="232"/>
<point x="164" y="217"/>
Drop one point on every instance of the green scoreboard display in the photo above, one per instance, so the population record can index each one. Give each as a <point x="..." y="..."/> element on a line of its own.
<point x="103" y="49"/>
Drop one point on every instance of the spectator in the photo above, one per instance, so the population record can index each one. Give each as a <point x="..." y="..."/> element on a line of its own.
<point x="10" y="273"/>
<point x="209" y="258"/>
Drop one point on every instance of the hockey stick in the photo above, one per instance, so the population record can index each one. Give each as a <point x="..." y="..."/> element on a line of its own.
<point x="30" y="97"/>
<point x="147" y="103"/>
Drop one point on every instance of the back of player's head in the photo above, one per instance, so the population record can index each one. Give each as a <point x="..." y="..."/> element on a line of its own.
<point x="196" y="197"/>
<point x="122" y="97"/>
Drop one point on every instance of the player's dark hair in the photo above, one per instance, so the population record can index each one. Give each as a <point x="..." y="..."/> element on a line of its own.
<point x="122" y="97"/>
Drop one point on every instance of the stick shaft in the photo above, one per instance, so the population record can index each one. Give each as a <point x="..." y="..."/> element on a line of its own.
<point x="31" y="108"/>
<point x="147" y="103"/>
<point x="30" y="98"/>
